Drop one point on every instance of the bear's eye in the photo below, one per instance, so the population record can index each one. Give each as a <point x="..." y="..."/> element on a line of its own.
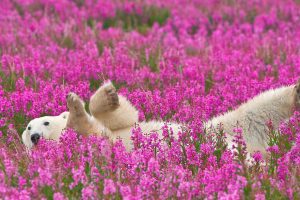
<point x="29" y="128"/>
<point x="46" y="123"/>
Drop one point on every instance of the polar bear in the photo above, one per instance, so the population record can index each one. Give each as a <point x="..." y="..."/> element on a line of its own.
<point x="114" y="116"/>
<point x="111" y="115"/>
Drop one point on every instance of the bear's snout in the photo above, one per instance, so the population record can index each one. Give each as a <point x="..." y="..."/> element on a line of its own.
<point x="35" y="138"/>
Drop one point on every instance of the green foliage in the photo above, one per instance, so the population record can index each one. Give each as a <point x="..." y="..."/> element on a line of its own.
<point x="149" y="57"/>
<point x="169" y="115"/>
<point x="20" y="120"/>
<point x="119" y="85"/>
<point x="271" y="193"/>
<point x="87" y="106"/>
<point x="18" y="8"/>
<point x="8" y="80"/>
<point x="280" y="140"/>
<point x="79" y="3"/>
<point x="87" y="170"/>
<point x="101" y="44"/>
<point x="48" y="192"/>
<point x="219" y="143"/>
<point x="14" y="181"/>
<point x="100" y="47"/>
<point x="266" y="54"/>
<point x="138" y="21"/>
<point x="283" y="56"/>
<point x="248" y="191"/>
<point x="251" y="15"/>
<point x="68" y="42"/>
<point x="94" y="84"/>
<point x="209" y="82"/>
<point x="218" y="154"/>
<point x="75" y="192"/>
<point x="91" y="22"/>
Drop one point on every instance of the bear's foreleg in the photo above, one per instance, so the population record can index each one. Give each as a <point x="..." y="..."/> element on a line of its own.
<point x="80" y="120"/>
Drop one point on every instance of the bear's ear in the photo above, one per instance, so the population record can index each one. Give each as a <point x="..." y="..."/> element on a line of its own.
<point x="64" y="115"/>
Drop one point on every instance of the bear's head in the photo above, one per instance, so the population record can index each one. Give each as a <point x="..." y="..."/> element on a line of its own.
<point x="48" y="127"/>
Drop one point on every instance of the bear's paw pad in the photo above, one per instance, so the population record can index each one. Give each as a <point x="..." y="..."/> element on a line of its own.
<point x="74" y="102"/>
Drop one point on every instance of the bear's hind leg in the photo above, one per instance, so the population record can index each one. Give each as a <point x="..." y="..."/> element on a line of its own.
<point x="111" y="109"/>
<point x="105" y="99"/>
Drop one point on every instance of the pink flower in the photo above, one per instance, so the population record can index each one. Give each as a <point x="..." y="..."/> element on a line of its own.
<point x="88" y="192"/>
<point x="109" y="187"/>
<point x="257" y="156"/>
<point x="273" y="149"/>
<point x="153" y="166"/>
<point x="22" y="182"/>
<point x="125" y="192"/>
<point x="58" y="196"/>
<point x="260" y="196"/>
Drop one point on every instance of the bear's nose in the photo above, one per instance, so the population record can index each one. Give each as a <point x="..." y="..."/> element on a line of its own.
<point x="35" y="138"/>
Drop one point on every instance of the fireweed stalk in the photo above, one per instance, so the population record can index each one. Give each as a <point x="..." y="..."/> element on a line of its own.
<point x="175" y="61"/>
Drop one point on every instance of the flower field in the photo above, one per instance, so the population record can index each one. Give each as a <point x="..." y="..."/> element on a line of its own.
<point x="175" y="60"/>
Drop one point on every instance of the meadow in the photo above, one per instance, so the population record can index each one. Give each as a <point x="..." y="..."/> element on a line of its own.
<point x="175" y="60"/>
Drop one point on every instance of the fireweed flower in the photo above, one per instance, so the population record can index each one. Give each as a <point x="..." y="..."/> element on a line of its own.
<point x="88" y="192"/>
<point x="126" y="192"/>
<point x="257" y="156"/>
<point x="273" y="149"/>
<point x="109" y="187"/>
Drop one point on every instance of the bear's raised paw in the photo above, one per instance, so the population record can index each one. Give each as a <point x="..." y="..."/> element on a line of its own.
<point x="112" y="97"/>
<point x="105" y="99"/>
<point x="75" y="104"/>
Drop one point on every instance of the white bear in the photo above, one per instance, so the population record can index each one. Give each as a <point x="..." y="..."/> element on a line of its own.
<point x="111" y="115"/>
<point x="114" y="116"/>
